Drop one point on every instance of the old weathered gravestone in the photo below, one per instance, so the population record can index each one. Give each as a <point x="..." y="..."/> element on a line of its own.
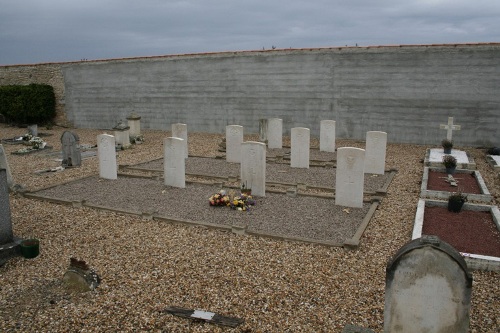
<point x="428" y="289"/>
<point x="6" y="235"/>
<point x="376" y="144"/>
<point x="327" y="136"/>
<point x="300" y="141"/>
<point x="72" y="156"/>
<point x="349" y="178"/>
<point x="174" y="162"/>
<point x="234" y="139"/>
<point x="134" y="123"/>
<point x="107" y="156"/>
<point x="275" y="133"/>
<point x="180" y="131"/>
<point x="33" y="130"/>
<point x="253" y="167"/>
<point x="5" y="165"/>
<point x="122" y="134"/>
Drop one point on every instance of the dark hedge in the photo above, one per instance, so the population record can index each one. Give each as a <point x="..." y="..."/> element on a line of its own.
<point x="31" y="104"/>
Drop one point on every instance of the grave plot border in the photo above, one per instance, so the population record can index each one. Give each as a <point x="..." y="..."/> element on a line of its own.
<point x="349" y="243"/>
<point x="485" y="195"/>
<point x="468" y="166"/>
<point x="474" y="261"/>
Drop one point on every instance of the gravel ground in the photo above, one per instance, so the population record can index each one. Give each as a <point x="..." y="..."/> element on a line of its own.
<point x="147" y="266"/>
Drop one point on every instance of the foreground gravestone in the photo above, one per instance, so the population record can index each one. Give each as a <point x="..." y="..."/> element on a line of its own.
<point x="107" y="156"/>
<point x="5" y="165"/>
<point x="234" y="139"/>
<point x="6" y="234"/>
<point x="327" y="136"/>
<point x="349" y="178"/>
<point x="253" y="167"/>
<point x="275" y="133"/>
<point x="428" y="289"/>
<point x="300" y="141"/>
<point x="174" y="162"/>
<point x="376" y="145"/>
<point x="72" y="156"/>
<point x="180" y="131"/>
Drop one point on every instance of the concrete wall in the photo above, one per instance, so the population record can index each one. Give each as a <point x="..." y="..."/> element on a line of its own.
<point x="407" y="91"/>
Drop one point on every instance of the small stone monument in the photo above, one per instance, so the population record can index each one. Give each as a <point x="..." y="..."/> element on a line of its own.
<point x="300" y="142"/>
<point x="349" y="179"/>
<point x="122" y="135"/>
<point x="180" y="131"/>
<point x="80" y="277"/>
<point x="107" y="156"/>
<point x="134" y="123"/>
<point x="450" y="127"/>
<point x="174" y="162"/>
<point x="72" y="156"/>
<point x="33" y="130"/>
<point x="327" y="136"/>
<point x="234" y="139"/>
<point x="275" y="133"/>
<point x="262" y="130"/>
<point x="253" y="167"/>
<point x="428" y="289"/>
<point x="376" y="146"/>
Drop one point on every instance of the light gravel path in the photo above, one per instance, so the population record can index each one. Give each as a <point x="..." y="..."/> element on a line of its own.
<point x="147" y="266"/>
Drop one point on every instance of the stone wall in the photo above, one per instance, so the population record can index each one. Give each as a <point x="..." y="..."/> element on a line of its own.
<point x="50" y="74"/>
<point x="406" y="91"/>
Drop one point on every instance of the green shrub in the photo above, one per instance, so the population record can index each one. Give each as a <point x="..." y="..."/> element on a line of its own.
<point x="32" y="104"/>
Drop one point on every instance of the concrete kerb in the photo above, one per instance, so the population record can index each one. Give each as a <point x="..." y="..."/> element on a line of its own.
<point x="474" y="261"/>
<point x="485" y="195"/>
<point x="353" y="242"/>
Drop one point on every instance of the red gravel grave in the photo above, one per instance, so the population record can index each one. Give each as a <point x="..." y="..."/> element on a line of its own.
<point x="467" y="182"/>
<point x="469" y="231"/>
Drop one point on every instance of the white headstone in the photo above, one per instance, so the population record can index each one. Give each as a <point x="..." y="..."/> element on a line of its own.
<point x="122" y="134"/>
<point x="253" y="167"/>
<point x="327" y="136"/>
<point x="428" y="289"/>
<point x="5" y="165"/>
<point x="300" y="141"/>
<point x="376" y="144"/>
<point x="180" y="131"/>
<point x="275" y="133"/>
<point x="234" y="139"/>
<point x="107" y="156"/>
<point x="6" y="235"/>
<point x="349" y="179"/>
<point x="134" y="122"/>
<point x="174" y="162"/>
<point x="450" y="128"/>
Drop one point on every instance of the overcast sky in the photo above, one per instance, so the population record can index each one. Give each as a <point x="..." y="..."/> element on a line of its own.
<point x="36" y="31"/>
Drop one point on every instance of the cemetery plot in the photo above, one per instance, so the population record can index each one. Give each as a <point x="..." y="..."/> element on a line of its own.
<point x="474" y="232"/>
<point x="303" y="218"/>
<point x="434" y="158"/>
<point x="437" y="184"/>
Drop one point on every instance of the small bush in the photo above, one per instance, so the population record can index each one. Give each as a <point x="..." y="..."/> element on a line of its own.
<point x="35" y="103"/>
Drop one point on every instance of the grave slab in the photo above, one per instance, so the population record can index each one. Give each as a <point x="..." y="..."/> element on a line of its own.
<point x="474" y="261"/>
<point x="434" y="158"/>
<point x="494" y="161"/>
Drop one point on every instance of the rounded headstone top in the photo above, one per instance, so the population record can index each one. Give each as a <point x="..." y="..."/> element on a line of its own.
<point x="133" y="116"/>
<point x="121" y="126"/>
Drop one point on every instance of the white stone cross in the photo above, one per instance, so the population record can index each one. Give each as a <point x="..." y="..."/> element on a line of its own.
<point x="450" y="128"/>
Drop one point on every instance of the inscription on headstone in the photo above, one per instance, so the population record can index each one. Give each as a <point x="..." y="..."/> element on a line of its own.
<point x="349" y="178"/>
<point x="107" y="156"/>
<point x="275" y="133"/>
<point x="428" y="289"/>
<point x="72" y="156"/>
<point x="234" y="139"/>
<point x="327" y="136"/>
<point x="253" y="167"/>
<point x="174" y="162"/>
<point x="300" y="140"/>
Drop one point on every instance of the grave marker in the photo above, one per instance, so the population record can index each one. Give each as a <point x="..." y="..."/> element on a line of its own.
<point x="33" y="130"/>
<point x="122" y="136"/>
<point x="6" y="234"/>
<point x="349" y="179"/>
<point x="72" y="156"/>
<point x="5" y="165"/>
<point x="174" y="162"/>
<point x="234" y="139"/>
<point x="376" y="144"/>
<point x="180" y="131"/>
<point x="300" y="141"/>
<point x="107" y="156"/>
<point x="428" y="289"/>
<point x="134" y="123"/>
<point x="253" y="167"/>
<point x="275" y="133"/>
<point x="263" y="130"/>
<point x="450" y="128"/>
<point x="327" y="136"/>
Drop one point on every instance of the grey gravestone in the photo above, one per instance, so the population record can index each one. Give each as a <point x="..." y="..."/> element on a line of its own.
<point x="33" y="130"/>
<point x="428" y="289"/>
<point x="72" y="156"/>
<point x="5" y="165"/>
<point x="6" y="235"/>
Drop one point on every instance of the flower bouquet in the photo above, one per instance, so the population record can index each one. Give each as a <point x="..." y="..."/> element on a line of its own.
<point x="219" y="199"/>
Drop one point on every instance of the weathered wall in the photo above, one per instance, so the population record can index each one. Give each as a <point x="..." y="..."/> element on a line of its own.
<point x="50" y="74"/>
<point x="406" y="91"/>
